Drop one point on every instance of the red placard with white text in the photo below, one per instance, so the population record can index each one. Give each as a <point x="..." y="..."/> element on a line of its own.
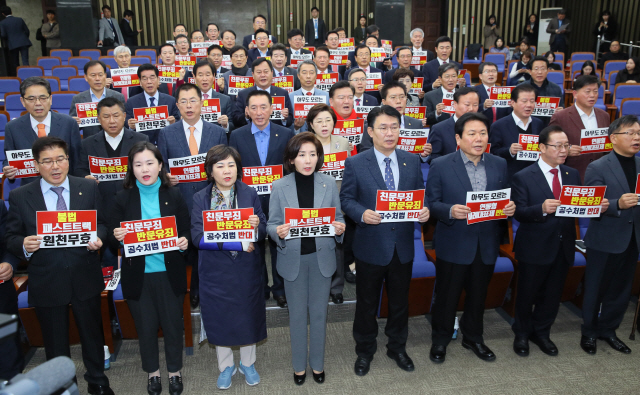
<point x="285" y="82"/>
<point x="108" y="169"/>
<point x="448" y="106"/>
<point x="226" y="61"/>
<point x="378" y="54"/>
<point x="581" y="202"/>
<point x="200" y="49"/>
<point x="324" y="82"/>
<point x="546" y="106"/>
<point x="388" y="47"/>
<point x="399" y="206"/>
<point x="150" y="236"/>
<point x="462" y="73"/>
<point x="310" y="222"/>
<point x="419" y="58"/>
<point x="168" y="74"/>
<point x="312" y="49"/>
<point x="638" y="188"/>
<point x="487" y="206"/>
<point x="334" y="164"/>
<point x="210" y="110"/>
<point x="595" y="140"/>
<point x="189" y="168"/>
<point x="277" y="105"/>
<point x="363" y="111"/>
<point x="225" y="226"/>
<point x="238" y="83"/>
<point x="373" y="81"/>
<point x="338" y="57"/>
<point x="413" y="140"/>
<point x="530" y="147"/>
<point x="125" y="77"/>
<point x="501" y="96"/>
<point x="186" y="61"/>
<point x="302" y="104"/>
<point x="260" y="178"/>
<point x="62" y="229"/>
<point x="151" y="118"/>
<point x="418" y="112"/>
<point x="347" y="43"/>
<point x="351" y="129"/>
<point x="24" y="162"/>
<point x="417" y="85"/>
<point x="296" y="59"/>
<point x="88" y="114"/>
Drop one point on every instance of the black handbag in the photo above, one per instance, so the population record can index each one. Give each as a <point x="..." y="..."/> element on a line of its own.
<point x="39" y="35"/>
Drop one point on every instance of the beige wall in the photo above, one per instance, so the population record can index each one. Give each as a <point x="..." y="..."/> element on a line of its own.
<point x="31" y="12"/>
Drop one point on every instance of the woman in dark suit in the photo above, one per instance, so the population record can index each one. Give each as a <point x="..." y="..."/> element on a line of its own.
<point x="231" y="284"/>
<point x="531" y="30"/>
<point x="154" y="285"/>
<point x="307" y="263"/>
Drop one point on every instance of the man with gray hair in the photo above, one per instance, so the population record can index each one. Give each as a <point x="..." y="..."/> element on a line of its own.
<point x="307" y="72"/>
<point x="417" y="38"/>
<point x="122" y="55"/>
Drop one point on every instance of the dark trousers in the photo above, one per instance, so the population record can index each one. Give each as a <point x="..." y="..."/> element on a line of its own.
<point x="11" y="360"/>
<point x="347" y="242"/>
<point x="539" y="292"/>
<point x="192" y="259"/>
<point x="158" y="307"/>
<point x="397" y="277"/>
<point x="559" y="44"/>
<point x="277" y="289"/>
<point x="337" y="280"/>
<point x="607" y="282"/>
<point x="54" y="322"/>
<point x="451" y="279"/>
<point x="16" y="53"/>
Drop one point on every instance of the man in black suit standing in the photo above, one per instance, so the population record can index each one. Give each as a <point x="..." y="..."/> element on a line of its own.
<point x="130" y="35"/>
<point x="432" y="79"/>
<point x="259" y="22"/>
<point x="488" y="75"/>
<point x="559" y="29"/>
<point x="296" y="42"/>
<point x="315" y="30"/>
<point x="15" y="31"/>
<point x="61" y="276"/>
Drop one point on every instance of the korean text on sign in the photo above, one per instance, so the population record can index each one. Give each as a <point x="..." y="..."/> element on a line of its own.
<point x="419" y="112"/>
<point x="638" y="188"/>
<point x="125" y="77"/>
<point x="24" y="162"/>
<point x="221" y="226"/>
<point x="310" y="222"/>
<point x="338" y="57"/>
<point x="419" y="58"/>
<point x="168" y="74"/>
<point x="595" y="140"/>
<point x="302" y="104"/>
<point x="399" y="206"/>
<point x="581" y="202"/>
<point x="352" y="130"/>
<point x="530" y="147"/>
<point x="277" y="105"/>
<point x="260" y="178"/>
<point x="378" y="54"/>
<point x="61" y="229"/>
<point x="108" y="169"/>
<point x="363" y="111"/>
<point x="150" y="236"/>
<point x="151" y="118"/>
<point x="285" y="82"/>
<point x="210" y="110"/>
<point x="501" y="96"/>
<point x="416" y="85"/>
<point x="189" y="168"/>
<point x="388" y="46"/>
<point x="238" y="83"/>
<point x="186" y="61"/>
<point x="334" y="164"/>
<point x="324" y="82"/>
<point x="546" y="106"/>
<point x="88" y="114"/>
<point x="373" y="81"/>
<point x="200" y="49"/>
<point x="347" y="43"/>
<point x="487" y="206"/>
<point x="296" y="59"/>
<point x="413" y="140"/>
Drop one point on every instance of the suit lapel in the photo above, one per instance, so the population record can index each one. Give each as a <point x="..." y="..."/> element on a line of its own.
<point x="617" y="171"/>
<point x="575" y="117"/>
<point x="291" y="193"/>
<point x="402" y="170"/>
<point x="37" y="200"/>
<point x="127" y="143"/>
<point x="318" y="191"/>
<point x="492" y="173"/>
<point x="250" y="141"/>
<point x="374" y="169"/>
<point x="274" y="141"/>
<point x="540" y="179"/>
<point x="56" y="127"/>
<point x="205" y="138"/>
<point x="461" y="172"/>
<point x="181" y="138"/>
<point x="99" y="144"/>
<point x="75" y="194"/>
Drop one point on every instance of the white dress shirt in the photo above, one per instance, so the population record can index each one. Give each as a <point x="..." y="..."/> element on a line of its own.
<point x="196" y="133"/>
<point x="442" y="61"/>
<point x="304" y="92"/>
<point x="156" y="99"/>
<point x="544" y="166"/>
<point x="519" y="123"/>
<point x="589" y="121"/>
<point x="114" y="142"/>
<point x="395" y="170"/>
<point x="208" y="93"/>
<point x="46" y="122"/>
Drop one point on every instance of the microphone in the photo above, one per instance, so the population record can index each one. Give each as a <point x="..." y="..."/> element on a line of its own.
<point x="48" y="378"/>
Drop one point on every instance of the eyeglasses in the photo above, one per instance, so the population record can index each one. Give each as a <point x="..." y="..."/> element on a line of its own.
<point x="449" y="77"/>
<point x="399" y="97"/>
<point x="405" y="56"/>
<point x="393" y="129"/>
<point x="150" y="78"/>
<point x="50" y="162"/>
<point x="539" y="69"/>
<point x="215" y="55"/>
<point x="33" y="99"/>
<point x="358" y="80"/>
<point x="238" y="56"/>
<point x="632" y="134"/>
<point x="184" y="102"/>
<point x="492" y="71"/>
<point x="559" y="147"/>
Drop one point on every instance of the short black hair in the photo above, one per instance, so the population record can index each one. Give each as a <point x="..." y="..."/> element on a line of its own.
<point x="383" y="109"/>
<point x="48" y="142"/>
<point x="546" y="132"/>
<point x="109" y="102"/>
<point x="323" y="48"/>
<point x="315" y="8"/>
<point x="485" y="64"/>
<point x="214" y="24"/>
<point x="237" y="48"/>
<point x="181" y="36"/>
<point x="403" y="48"/>
<point x="195" y="31"/>
<point x="147" y="67"/>
<point x="179" y="24"/>
<point x="546" y="55"/>
<point x="446" y="67"/>
<point x="463" y="92"/>
<point x="334" y="31"/>
<point x="212" y="47"/>
<point x="92" y="63"/>
<point x="294" y="32"/>
<point x="340" y="29"/>
<point x="218" y="153"/>
<point x="127" y="13"/>
<point x="186" y="87"/>
<point x="562" y="12"/>
<point x="390" y="85"/>
<point x="359" y="47"/>
<point x="260" y="16"/>
<point x="443" y="39"/>
<point x="402" y="72"/>
<point x="255" y="34"/>
<point x="372" y="29"/>
<point x="167" y="45"/>
<point x="293" y="147"/>
<point x="203" y="63"/>
<point x="259" y="61"/>
<point x="105" y="7"/>
<point x="140" y="146"/>
<point x="5" y="10"/>
<point x="522" y="88"/>
<point x="468" y="117"/>
<point x="540" y="59"/>
<point x="278" y="47"/>
<point x="52" y="12"/>
<point x="31" y="81"/>
<point x="585" y="80"/>
<point x="340" y="85"/>
<point x="258" y="92"/>
<point x="376" y="38"/>
<point x="228" y="31"/>
<point x="622" y="122"/>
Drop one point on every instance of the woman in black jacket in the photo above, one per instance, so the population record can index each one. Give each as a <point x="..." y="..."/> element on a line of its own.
<point x="531" y="30"/>
<point x="631" y="73"/>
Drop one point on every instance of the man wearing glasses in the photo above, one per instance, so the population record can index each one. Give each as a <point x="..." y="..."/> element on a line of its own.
<point x="358" y="80"/>
<point x="22" y="132"/>
<point x="404" y="56"/>
<point x="261" y="50"/>
<point x="296" y="42"/>
<point x="238" y="67"/>
<point x="488" y="76"/>
<point x="214" y="54"/>
<point x="546" y="88"/>
<point x="259" y="22"/>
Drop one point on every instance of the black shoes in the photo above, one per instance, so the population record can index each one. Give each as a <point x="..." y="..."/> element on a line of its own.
<point x="349" y="276"/>
<point x="362" y="366"/>
<point x="154" y="386"/>
<point x="195" y="300"/>
<point x="402" y="359"/>
<point x="281" y="300"/>
<point x="483" y="352"/>
<point x="545" y="344"/>
<point x="437" y="353"/>
<point x="521" y="346"/>
<point x="175" y="385"/>
<point x="318" y="377"/>
<point x="299" y="379"/>
<point x="616" y="344"/>
<point x="96" y="389"/>
<point x="337" y="298"/>
<point x="588" y="344"/>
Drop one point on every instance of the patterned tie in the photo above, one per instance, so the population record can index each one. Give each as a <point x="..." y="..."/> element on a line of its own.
<point x="61" y="205"/>
<point x="42" y="132"/>
<point x="357" y="102"/>
<point x="193" y="144"/>
<point x="388" y="175"/>
<point x="555" y="184"/>
<point x="205" y="95"/>
<point x="493" y="108"/>
<point x="309" y="93"/>
<point x="152" y="100"/>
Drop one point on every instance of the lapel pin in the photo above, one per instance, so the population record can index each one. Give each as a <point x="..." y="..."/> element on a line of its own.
<point x="324" y="185"/>
<point x="276" y="135"/>
<point x="80" y="193"/>
<point x="566" y="173"/>
<point x="166" y="203"/>
<point x="404" y="164"/>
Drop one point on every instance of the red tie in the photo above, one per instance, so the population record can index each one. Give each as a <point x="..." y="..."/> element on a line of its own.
<point x="170" y="87"/>
<point x="206" y="95"/>
<point x="555" y="184"/>
<point x="309" y="93"/>
<point x="125" y="93"/>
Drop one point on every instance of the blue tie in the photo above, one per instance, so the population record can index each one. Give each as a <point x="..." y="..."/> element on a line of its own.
<point x="315" y="25"/>
<point x="388" y="175"/>
<point x="61" y="205"/>
<point x="151" y="100"/>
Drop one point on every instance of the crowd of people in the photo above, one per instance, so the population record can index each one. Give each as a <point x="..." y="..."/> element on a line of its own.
<point x="473" y="146"/>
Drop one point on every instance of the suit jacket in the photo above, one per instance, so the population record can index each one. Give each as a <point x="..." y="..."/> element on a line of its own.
<point x="374" y="94"/>
<point x="226" y="82"/>
<point x="96" y="146"/>
<point x="139" y="101"/>
<point x="302" y="52"/>
<point x="293" y="72"/>
<point x="15" y="31"/>
<point x="488" y="112"/>
<point x="316" y="92"/>
<point x="52" y="34"/>
<point x="57" y="274"/>
<point x="238" y="112"/>
<point x="611" y="232"/>
<point x="226" y="108"/>
<point x="388" y="76"/>
<point x="130" y="35"/>
<point x="255" y="54"/>
<point x="247" y="40"/>
<point x="367" y="100"/>
<point x="553" y="26"/>
<point x="430" y="72"/>
<point x="375" y="244"/>
<point x="448" y="184"/>
<point x="367" y="141"/>
<point x="85" y="97"/>
<point x="104" y="30"/>
<point x="310" y="32"/>
<point x="20" y="135"/>
<point x="243" y="140"/>
<point x="442" y="137"/>
<point x="173" y="143"/>
<point x="540" y="238"/>
<point x="571" y="123"/>
<point x="127" y="208"/>
<point x="505" y="132"/>
<point x="431" y="100"/>
<point x="285" y="194"/>
<point x="358" y="34"/>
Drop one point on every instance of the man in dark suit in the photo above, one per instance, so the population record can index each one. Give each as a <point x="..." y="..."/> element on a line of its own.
<point x="262" y="143"/>
<point x="21" y="133"/>
<point x="61" y="276"/>
<point x="442" y="135"/>
<point x="122" y="55"/>
<point x="417" y="38"/>
<point x="612" y="239"/>
<point x="582" y="115"/>
<point x="559" y="29"/>
<point x="261" y="50"/>
<point x="433" y="100"/>
<point x="363" y="61"/>
<point x="432" y="78"/>
<point x="214" y="55"/>
<point x="15" y="31"/>
<point x="130" y="35"/>
<point x="332" y="43"/>
<point x="383" y="251"/>
<point x="205" y="77"/>
<point x="544" y="244"/>
<point x="466" y="254"/>
<point x="167" y="57"/>
<point x="357" y="78"/>
<point x="259" y="22"/>
<point x="296" y="43"/>
<point x="262" y="71"/>
<point x="544" y="87"/>
<point x="279" y="60"/>
<point x="151" y="97"/>
<point x="404" y="55"/>
<point x="504" y="133"/>
<point x="315" y="30"/>
<point x="114" y="141"/>
<point x="488" y="75"/>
